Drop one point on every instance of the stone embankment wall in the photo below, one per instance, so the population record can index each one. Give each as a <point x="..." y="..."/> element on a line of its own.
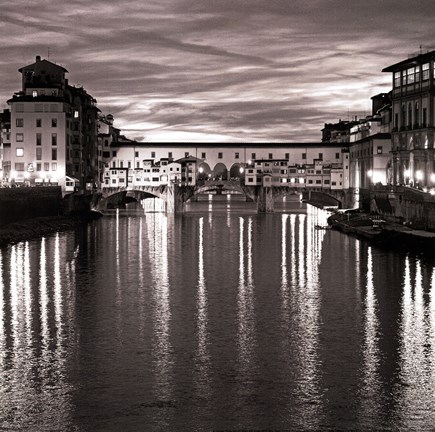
<point x="17" y="204"/>
<point x="406" y="205"/>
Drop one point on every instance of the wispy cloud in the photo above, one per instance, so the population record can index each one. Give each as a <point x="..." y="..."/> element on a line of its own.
<point x="220" y="70"/>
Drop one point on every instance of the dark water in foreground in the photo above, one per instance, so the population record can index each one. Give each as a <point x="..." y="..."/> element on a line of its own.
<point x="215" y="321"/>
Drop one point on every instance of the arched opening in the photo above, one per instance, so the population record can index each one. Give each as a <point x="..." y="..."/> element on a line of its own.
<point x="204" y="172"/>
<point x="237" y="171"/>
<point x="220" y="172"/>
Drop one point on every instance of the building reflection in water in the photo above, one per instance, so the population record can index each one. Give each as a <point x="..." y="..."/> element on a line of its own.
<point x="202" y="355"/>
<point x="417" y="367"/>
<point x="157" y="232"/>
<point x="34" y="344"/>
<point x="2" y="322"/>
<point x="370" y="386"/>
<point x="245" y="299"/>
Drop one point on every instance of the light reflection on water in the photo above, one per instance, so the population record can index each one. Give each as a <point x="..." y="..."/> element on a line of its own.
<point x="214" y="320"/>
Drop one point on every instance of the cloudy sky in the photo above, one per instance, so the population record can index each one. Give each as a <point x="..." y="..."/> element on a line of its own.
<point x="218" y="70"/>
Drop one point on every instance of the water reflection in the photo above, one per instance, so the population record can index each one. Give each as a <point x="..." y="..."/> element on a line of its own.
<point x="157" y="230"/>
<point x="416" y="352"/>
<point x="245" y="298"/>
<point x="202" y="360"/>
<point x="370" y="388"/>
<point x="228" y="321"/>
<point x="33" y="357"/>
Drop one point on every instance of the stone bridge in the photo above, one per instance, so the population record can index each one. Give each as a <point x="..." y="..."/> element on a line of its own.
<point x="175" y="196"/>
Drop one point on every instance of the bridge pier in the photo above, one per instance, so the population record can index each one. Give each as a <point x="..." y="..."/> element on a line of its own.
<point x="265" y="200"/>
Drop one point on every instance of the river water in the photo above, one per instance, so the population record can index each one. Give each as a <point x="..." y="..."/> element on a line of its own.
<point x="220" y="319"/>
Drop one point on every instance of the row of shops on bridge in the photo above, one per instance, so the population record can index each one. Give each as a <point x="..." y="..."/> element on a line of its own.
<point x="191" y="171"/>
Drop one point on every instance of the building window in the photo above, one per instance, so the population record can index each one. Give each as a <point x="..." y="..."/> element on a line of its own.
<point x="425" y="72"/>
<point x="38" y="153"/>
<point x="396" y="79"/>
<point x="409" y="116"/>
<point x="410" y="76"/>
<point x="53" y="122"/>
<point x="236" y="155"/>
<point x="403" y="118"/>
<point x="38" y="123"/>
<point x="424" y="119"/>
<point x="20" y="152"/>
<point x="46" y="166"/>
<point x="417" y="74"/>
<point x="337" y="155"/>
<point x="220" y="155"/>
<point x="129" y="164"/>
<point x="253" y="156"/>
<point x="379" y="150"/>
<point x="170" y="155"/>
<point x="20" y="137"/>
<point x="304" y="156"/>
<point x="38" y="139"/>
<point x="54" y="166"/>
<point x="121" y="164"/>
<point x="287" y="156"/>
<point x="114" y="154"/>
<point x="153" y="154"/>
<point x="321" y="156"/>
<point x="270" y="155"/>
<point x="54" y="154"/>
<point x="19" y="166"/>
<point x="186" y="154"/>
<point x="203" y="155"/>
<point x="53" y="139"/>
<point x="136" y="154"/>
<point x="38" y="167"/>
<point x="76" y="114"/>
<point x="20" y="122"/>
<point x="35" y="93"/>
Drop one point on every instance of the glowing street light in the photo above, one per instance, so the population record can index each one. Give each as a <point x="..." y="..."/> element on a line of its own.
<point x="370" y="173"/>
<point x="201" y="170"/>
<point x="241" y="169"/>
<point x="432" y="178"/>
<point x="419" y="175"/>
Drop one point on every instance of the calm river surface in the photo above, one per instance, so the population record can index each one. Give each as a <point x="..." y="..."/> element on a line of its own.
<point x="220" y="319"/>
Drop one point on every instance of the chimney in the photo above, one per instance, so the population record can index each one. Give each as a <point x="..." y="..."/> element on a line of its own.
<point x="38" y="58"/>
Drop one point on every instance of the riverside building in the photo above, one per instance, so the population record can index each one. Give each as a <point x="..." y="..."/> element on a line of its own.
<point x="53" y="137"/>
<point x="413" y="117"/>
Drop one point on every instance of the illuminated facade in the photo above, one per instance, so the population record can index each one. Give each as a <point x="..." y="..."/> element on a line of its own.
<point x="53" y="130"/>
<point x="413" y="120"/>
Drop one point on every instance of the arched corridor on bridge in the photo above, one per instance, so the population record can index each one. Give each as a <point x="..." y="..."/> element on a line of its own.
<point x="220" y="171"/>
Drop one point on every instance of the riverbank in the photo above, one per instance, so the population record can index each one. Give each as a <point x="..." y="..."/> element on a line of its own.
<point x="381" y="232"/>
<point x="38" y="227"/>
